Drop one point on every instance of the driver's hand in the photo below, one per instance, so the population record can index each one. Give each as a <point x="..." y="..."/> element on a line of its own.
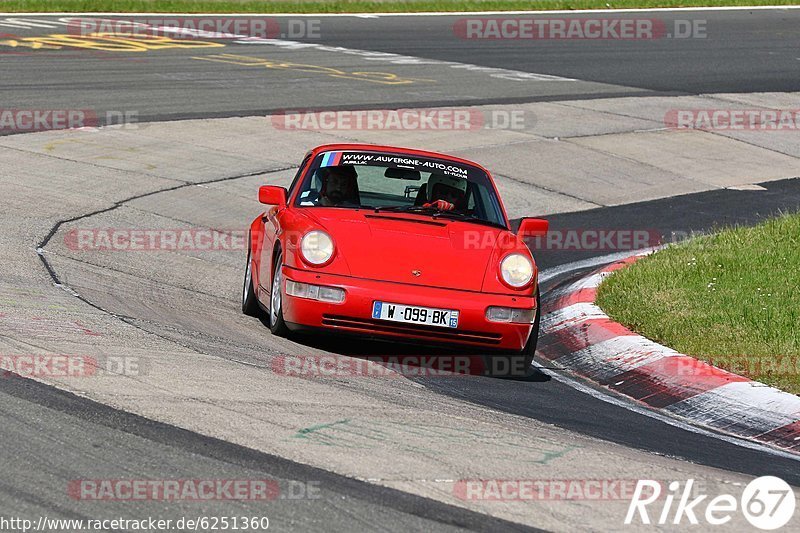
<point x="441" y="205"/>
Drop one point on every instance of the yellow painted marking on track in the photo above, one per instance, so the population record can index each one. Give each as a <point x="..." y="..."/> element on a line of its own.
<point x="52" y="145"/>
<point x="113" y="152"/>
<point x="384" y="78"/>
<point x="15" y="43"/>
<point x="109" y="42"/>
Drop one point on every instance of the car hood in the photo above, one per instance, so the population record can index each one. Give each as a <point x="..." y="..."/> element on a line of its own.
<point x="409" y="248"/>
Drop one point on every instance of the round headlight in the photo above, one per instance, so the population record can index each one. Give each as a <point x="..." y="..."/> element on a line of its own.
<point x="316" y="247"/>
<point x="517" y="270"/>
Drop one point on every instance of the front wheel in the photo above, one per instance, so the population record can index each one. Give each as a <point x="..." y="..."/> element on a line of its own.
<point x="276" y="322"/>
<point x="249" y="304"/>
<point x="530" y="347"/>
<point x="517" y="365"/>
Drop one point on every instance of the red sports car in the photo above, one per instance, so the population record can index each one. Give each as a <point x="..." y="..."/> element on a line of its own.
<point x="394" y="243"/>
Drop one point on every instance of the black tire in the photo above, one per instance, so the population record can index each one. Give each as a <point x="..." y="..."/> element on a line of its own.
<point x="276" y="323"/>
<point x="517" y="365"/>
<point x="529" y="351"/>
<point x="250" y="305"/>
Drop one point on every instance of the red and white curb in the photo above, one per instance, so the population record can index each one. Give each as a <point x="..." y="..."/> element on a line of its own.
<point x="579" y="337"/>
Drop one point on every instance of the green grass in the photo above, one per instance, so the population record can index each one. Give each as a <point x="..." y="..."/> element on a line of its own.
<point x="732" y="299"/>
<point x="348" y="6"/>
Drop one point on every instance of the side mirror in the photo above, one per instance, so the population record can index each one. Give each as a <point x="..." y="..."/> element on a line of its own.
<point x="533" y="227"/>
<point x="272" y="195"/>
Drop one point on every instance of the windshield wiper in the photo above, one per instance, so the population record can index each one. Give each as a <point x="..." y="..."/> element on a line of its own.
<point x="463" y="216"/>
<point x="403" y="209"/>
<point x="435" y="213"/>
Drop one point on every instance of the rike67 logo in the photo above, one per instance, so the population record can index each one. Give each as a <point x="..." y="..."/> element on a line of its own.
<point x="767" y="503"/>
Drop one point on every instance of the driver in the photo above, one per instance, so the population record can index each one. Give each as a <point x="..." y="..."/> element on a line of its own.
<point x="339" y="186"/>
<point x="446" y="194"/>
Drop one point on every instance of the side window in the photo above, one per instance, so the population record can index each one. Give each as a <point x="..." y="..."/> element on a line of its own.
<point x="296" y="178"/>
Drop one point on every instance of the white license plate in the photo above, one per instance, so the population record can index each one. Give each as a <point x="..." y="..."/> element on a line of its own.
<point x="446" y="318"/>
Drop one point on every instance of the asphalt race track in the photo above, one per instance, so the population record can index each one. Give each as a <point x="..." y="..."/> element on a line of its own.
<point x="741" y="51"/>
<point x="377" y="454"/>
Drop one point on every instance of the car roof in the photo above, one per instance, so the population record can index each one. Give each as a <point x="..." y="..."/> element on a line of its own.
<point x="395" y="150"/>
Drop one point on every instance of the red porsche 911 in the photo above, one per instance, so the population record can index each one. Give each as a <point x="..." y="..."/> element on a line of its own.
<point x="398" y="244"/>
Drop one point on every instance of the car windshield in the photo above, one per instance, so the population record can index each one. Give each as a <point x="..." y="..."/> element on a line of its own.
<point x="407" y="183"/>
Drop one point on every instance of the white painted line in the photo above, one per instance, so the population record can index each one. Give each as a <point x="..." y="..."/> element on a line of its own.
<point x="591" y="282"/>
<point x="550" y="273"/>
<point x="398" y="59"/>
<point x="368" y="55"/>
<point x="747" y="187"/>
<point x="627" y="404"/>
<point x="419" y="14"/>
<point x="571" y="315"/>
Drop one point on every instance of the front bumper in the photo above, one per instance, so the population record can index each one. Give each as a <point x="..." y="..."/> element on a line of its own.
<point x="354" y="315"/>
